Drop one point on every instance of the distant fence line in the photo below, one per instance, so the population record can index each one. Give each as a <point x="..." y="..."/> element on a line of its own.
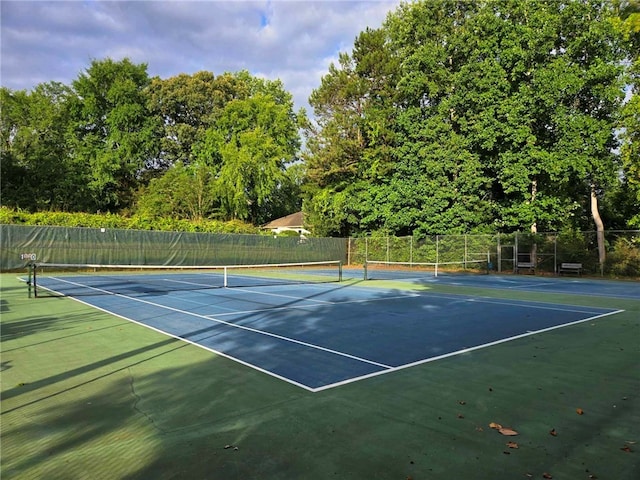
<point x="141" y="247"/>
<point x="546" y="251"/>
<point x="22" y="244"/>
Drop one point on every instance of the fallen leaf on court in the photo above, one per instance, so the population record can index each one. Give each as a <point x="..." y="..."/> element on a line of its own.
<point x="512" y="445"/>
<point x="626" y="448"/>
<point x="553" y="432"/>
<point x="460" y="415"/>
<point x="497" y="426"/>
<point x="546" y="475"/>
<point x="462" y="402"/>
<point x="507" y="432"/>
<point x="579" y="411"/>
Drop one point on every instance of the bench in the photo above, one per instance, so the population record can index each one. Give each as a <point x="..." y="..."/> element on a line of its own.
<point x="529" y="266"/>
<point x="570" y="268"/>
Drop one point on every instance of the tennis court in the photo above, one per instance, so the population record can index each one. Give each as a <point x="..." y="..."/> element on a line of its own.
<point x="319" y="378"/>
<point x="321" y="335"/>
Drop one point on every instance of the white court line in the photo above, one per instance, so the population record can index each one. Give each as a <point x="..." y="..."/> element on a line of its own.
<point x="464" y="350"/>
<point x="195" y="344"/>
<point x="311" y="305"/>
<point x="387" y="368"/>
<point x="198" y="284"/>
<point x="257" y="292"/>
<point x="314" y="302"/>
<point x="519" y="303"/>
<point x="241" y="327"/>
<point x="531" y="285"/>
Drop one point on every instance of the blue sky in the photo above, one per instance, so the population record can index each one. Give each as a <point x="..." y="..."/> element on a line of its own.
<point x="294" y="41"/>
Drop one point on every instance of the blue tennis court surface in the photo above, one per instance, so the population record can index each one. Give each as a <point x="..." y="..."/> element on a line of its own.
<point x="319" y="336"/>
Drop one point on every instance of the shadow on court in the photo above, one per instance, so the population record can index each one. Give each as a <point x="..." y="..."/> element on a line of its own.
<point x="123" y="401"/>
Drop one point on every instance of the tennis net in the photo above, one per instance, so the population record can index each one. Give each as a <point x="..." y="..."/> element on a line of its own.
<point x="381" y="270"/>
<point x="92" y="279"/>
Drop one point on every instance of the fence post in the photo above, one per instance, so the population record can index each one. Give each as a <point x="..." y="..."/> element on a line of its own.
<point x="437" y="252"/>
<point x="515" y="253"/>
<point x="366" y="249"/>
<point x="555" y="253"/>
<point x="466" y="253"/>
<point x="387" y="248"/>
<point x="499" y="255"/>
<point x="411" y="250"/>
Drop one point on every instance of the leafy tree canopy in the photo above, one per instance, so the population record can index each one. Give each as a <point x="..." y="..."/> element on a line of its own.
<point x="471" y="116"/>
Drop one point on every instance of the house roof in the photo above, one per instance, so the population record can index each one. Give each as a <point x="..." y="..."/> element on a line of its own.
<point x="295" y="220"/>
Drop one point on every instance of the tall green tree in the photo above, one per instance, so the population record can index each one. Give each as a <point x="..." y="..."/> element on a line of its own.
<point x="533" y="89"/>
<point x="256" y="139"/>
<point x="629" y="25"/>
<point x="14" y="173"/>
<point x="183" y="191"/>
<point x="236" y="153"/>
<point x="445" y="182"/>
<point x="114" y="134"/>
<point x="187" y="105"/>
<point x="503" y="118"/>
<point x="350" y="145"/>
<point x="38" y="172"/>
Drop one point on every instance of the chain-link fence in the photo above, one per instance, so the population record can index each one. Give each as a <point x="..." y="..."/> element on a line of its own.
<point x="544" y="252"/>
<point x="503" y="252"/>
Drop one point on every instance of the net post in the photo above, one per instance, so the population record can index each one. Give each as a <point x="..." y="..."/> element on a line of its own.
<point x="339" y="271"/>
<point x="364" y="268"/>
<point x="34" y="281"/>
<point x="29" y="277"/>
<point x="225" y="281"/>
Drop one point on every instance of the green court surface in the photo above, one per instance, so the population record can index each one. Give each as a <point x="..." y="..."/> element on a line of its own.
<point x="88" y="395"/>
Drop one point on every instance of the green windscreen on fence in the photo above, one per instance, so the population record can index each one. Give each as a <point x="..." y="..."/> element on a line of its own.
<point x="23" y="244"/>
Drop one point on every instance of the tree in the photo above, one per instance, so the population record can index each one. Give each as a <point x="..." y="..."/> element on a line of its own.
<point x="441" y="94"/>
<point x="587" y="113"/>
<point x="38" y="173"/>
<point x="114" y="134"/>
<point x="629" y="25"/>
<point x="186" y="106"/>
<point x="238" y="153"/>
<point x="181" y="192"/>
<point x="499" y="115"/>
<point x="349" y="148"/>
<point x="527" y="85"/>
<point x="255" y="138"/>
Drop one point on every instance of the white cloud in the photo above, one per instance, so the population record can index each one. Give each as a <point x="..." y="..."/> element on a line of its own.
<point x="291" y="40"/>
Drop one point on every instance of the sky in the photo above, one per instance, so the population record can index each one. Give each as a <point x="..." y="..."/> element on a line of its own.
<point x="294" y="41"/>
